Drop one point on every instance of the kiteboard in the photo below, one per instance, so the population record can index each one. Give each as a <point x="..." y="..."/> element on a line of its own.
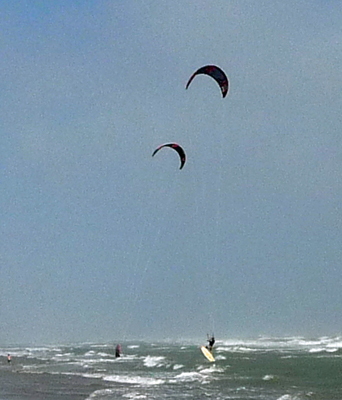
<point x="207" y="354"/>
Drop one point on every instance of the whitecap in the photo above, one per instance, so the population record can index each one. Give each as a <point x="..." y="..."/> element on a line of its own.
<point x="134" y="380"/>
<point x="135" y="395"/>
<point x="87" y="375"/>
<point x="188" y="377"/>
<point x="332" y="350"/>
<point x="89" y="353"/>
<point x="102" y="354"/>
<point x="316" y="350"/>
<point x="101" y="393"/>
<point x="93" y="361"/>
<point x="151" y="361"/>
<point x="268" y="378"/>
<point x="127" y="357"/>
<point x="211" y="370"/>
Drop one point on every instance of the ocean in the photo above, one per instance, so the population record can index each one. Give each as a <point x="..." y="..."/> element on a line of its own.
<point x="265" y="368"/>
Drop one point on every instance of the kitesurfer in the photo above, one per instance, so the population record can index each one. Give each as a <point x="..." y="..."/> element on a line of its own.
<point x="211" y="342"/>
<point x="118" y="351"/>
<point x="9" y="359"/>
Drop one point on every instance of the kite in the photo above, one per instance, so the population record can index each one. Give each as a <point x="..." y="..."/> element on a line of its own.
<point x="217" y="74"/>
<point x="176" y="147"/>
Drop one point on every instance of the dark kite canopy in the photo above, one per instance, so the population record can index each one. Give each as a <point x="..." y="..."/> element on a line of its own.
<point x="176" y="147"/>
<point x="216" y="73"/>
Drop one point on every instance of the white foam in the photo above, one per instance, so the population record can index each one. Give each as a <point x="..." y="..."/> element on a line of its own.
<point x="39" y="349"/>
<point x="134" y="380"/>
<point x="151" y="361"/>
<point x="90" y="362"/>
<point x="135" y="395"/>
<point x="201" y="376"/>
<point x="288" y="397"/>
<point x="316" y="350"/>
<point x="338" y="344"/>
<point x="97" y="345"/>
<point x="332" y="350"/>
<point x="188" y="377"/>
<point x="127" y="357"/>
<point x="328" y="344"/>
<point x="101" y="393"/>
<point x="268" y="378"/>
<point x="102" y="354"/>
<point x="206" y="371"/>
<point x="178" y="366"/>
<point x="237" y="349"/>
<point x="92" y="376"/>
<point x="89" y="353"/>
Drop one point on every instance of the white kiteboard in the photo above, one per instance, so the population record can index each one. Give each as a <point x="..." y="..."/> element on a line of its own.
<point x="207" y="354"/>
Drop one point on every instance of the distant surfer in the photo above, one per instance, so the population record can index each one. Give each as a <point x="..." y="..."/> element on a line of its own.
<point x="9" y="358"/>
<point x="211" y="342"/>
<point x="118" y="351"/>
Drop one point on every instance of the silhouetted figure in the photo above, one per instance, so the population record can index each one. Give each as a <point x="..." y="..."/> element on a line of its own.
<point x="118" y="351"/>
<point x="211" y="342"/>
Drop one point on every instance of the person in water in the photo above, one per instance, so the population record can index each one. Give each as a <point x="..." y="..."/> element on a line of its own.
<point x="9" y="358"/>
<point x="211" y="342"/>
<point x="118" y="351"/>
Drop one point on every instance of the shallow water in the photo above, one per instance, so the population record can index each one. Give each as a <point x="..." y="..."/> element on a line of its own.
<point x="265" y="368"/>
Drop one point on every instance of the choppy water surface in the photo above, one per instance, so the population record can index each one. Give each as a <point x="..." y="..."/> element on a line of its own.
<point x="266" y="368"/>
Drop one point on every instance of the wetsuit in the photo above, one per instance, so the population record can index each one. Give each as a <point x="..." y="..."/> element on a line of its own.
<point x="211" y="343"/>
<point x="118" y="351"/>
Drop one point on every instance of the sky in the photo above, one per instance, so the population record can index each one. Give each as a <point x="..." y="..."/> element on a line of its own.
<point x="102" y="242"/>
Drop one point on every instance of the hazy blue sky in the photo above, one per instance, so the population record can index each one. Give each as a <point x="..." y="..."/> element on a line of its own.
<point x="100" y="241"/>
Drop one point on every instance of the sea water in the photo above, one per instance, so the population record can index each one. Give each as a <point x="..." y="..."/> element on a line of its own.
<point x="264" y="368"/>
